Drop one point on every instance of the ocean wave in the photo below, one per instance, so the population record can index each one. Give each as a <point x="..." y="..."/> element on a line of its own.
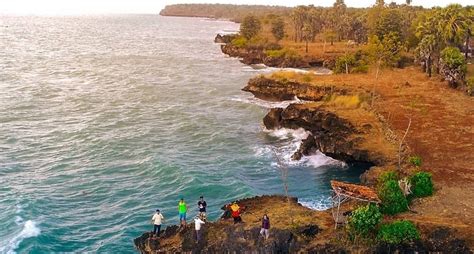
<point x="290" y="141"/>
<point x="319" y="205"/>
<point x="266" y="104"/>
<point x="30" y="229"/>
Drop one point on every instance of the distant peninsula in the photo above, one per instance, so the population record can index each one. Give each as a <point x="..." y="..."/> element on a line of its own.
<point x="230" y="12"/>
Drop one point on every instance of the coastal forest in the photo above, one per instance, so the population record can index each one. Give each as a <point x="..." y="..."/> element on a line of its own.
<point x="391" y="86"/>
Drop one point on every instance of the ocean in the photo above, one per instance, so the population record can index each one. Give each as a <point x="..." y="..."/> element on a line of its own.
<point x="106" y="118"/>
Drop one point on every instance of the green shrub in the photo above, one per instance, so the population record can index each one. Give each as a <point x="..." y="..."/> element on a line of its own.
<point x="422" y="185"/>
<point x="239" y="42"/>
<point x="393" y="200"/>
<point x="415" y="160"/>
<point x="361" y="68"/>
<point x="345" y="63"/>
<point x="364" y="220"/>
<point x="453" y="66"/>
<point x="287" y="53"/>
<point x="398" y="232"/>
<point x="387" y="176"/>
<point x="275" y="53"/>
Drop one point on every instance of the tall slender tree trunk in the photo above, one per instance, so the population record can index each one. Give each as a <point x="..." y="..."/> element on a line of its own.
<point x="306" y="45"/>
<point x="466" y="53"/>
<point x="428" y="66"/>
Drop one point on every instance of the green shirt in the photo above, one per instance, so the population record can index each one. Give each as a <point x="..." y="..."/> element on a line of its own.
<point x="182" y="207"/>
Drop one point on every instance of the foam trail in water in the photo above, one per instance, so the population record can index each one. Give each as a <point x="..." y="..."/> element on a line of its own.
<point x="30" y="229"/>
<point x="266" y="104"/>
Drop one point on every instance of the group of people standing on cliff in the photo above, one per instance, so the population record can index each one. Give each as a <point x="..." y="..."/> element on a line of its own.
<point x="232" y="210"/>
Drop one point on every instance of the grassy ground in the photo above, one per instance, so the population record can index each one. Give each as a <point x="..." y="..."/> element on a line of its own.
<point x="441" y="133"/>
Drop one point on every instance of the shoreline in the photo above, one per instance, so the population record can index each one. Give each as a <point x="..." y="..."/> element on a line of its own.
<point x="345" y="137"/>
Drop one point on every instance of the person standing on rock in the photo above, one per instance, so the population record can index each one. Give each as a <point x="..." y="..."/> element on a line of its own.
<point x="202" y="208"/>
<point x="235" y="208"/>
<point x="264" y="232"/>
<point x="197" y="225"/>
<point x="182" y="209"/>
<point x="157" y="219"/>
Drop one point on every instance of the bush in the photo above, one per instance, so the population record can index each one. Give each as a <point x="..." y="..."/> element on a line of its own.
<point x="239" y="42"/>
<point x="362" y="68"/>
<point x="422" y="185"/>
<point x="356" y="63"/>
<point x="344" y="63"/>
<point x="415" y="160"/>
<point x="364" y="220"/>
<point x="387" y="176"/>
<point x="287" y="53"/>
<point x="398" y="232"/>
<point x="393" y="200"/>
<point x="453" y="65"/>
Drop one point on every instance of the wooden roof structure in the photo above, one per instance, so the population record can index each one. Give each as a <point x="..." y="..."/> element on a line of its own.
<point x="345" y="191"/>
<point x="355" y="191"/>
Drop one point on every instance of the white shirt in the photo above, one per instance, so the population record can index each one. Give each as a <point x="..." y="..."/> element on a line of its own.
<point x="157" y="218"/>
<point x="197" y="223"/>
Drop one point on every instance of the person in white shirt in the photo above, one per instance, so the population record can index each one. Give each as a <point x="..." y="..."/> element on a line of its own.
<point x="156" y="220"/>
<point x="197" y="225"/>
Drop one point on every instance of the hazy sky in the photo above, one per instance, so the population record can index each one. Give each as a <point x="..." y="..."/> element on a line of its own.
<point x="67" y="7"/>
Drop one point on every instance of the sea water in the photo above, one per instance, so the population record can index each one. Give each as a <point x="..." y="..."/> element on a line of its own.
<point x="106" y="118"/>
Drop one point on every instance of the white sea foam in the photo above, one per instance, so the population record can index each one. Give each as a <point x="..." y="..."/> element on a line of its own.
<point x="30" y="229"/>
<point x="290" y="141"/>
<point x="320" y="205"/>
<point x="319" y="159"/>
<point x="250" y="99"/>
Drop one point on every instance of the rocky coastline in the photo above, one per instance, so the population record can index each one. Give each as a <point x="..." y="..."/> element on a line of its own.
<point x="353" y="134"/>
<point x="257" y="55"/>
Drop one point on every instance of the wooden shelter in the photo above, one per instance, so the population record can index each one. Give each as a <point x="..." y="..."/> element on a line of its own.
<point x="343" y="192"/>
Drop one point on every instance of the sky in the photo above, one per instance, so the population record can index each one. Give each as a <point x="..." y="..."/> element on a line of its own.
<point x="78" y="7"/>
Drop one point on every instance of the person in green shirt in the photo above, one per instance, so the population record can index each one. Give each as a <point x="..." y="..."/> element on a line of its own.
<point x="182" y="209"/>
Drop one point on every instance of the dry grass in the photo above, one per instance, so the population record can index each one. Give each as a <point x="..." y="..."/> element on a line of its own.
<point x="344" y="101"/>
<point x="441" y="133"/>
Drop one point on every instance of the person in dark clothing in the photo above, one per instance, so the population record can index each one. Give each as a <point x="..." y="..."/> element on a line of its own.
<point x="265" y="227"/>
<point x="202" y="208"/>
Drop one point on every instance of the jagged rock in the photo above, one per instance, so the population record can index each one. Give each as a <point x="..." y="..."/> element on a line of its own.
<point x="273" y="119"/>
<point x="309" y="230"/>
<point x="274" y="90"/>
<point x="226" y="38"/>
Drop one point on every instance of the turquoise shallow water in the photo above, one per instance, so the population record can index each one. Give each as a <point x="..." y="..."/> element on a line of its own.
<point x="106" y="118"/>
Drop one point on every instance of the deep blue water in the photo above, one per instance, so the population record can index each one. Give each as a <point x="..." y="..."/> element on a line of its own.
<point x="105" y="118"/>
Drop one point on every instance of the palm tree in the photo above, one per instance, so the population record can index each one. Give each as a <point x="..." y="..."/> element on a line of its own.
<point x="455" y="24"/>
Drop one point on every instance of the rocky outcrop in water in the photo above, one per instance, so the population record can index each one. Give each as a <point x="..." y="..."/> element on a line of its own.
<point x="257" y="55"/>
<point x="331" y="134"/>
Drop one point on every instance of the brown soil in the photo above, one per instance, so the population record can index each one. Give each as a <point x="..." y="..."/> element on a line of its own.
<point x="441" y="133"/>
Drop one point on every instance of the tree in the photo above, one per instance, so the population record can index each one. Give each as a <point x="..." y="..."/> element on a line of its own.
<point x="278" y="28"/>
<point x="384" y="52"/>
<point x="390" y="20"/>
<point x="307" y="35"/>
<point x="380" y="3"/>
<point x="456" y="24"/>
<point x="425" y="50"/>
<point x="408" y="2"/>
<point x="453" y="66"/>
<point x="250" y="27"/>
